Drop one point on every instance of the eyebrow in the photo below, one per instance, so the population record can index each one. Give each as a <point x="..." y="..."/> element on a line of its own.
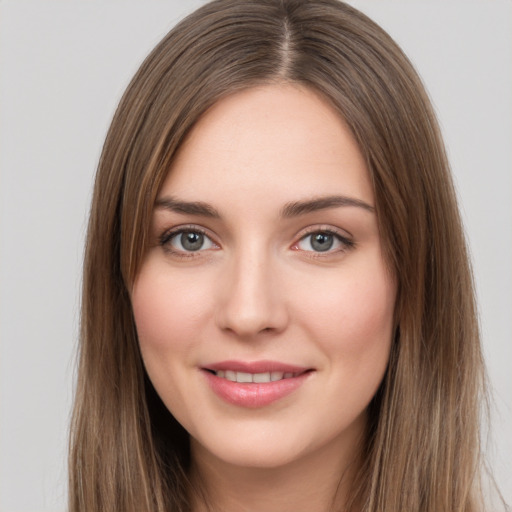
<point x="297" y="208"/>
<point x="188" y="207"/>
<point x="292" y="209"/>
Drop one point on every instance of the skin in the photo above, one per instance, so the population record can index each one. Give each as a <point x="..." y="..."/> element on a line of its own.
<point x="258" y="290"/>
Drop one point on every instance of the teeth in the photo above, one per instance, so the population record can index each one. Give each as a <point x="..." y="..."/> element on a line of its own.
<point x="230" y="375"/>
<point x="261" y="377"/>
<point x="245" y="377"/>
<point x="276" y="376"/>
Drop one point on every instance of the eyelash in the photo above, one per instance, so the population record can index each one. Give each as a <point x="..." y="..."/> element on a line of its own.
<point x="345" y="243"/>
<point x="167" y="237"/>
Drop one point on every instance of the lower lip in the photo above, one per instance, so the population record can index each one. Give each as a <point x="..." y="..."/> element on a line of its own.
<point x="253" y="394"/>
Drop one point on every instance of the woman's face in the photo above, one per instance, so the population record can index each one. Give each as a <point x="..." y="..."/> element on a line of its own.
<point x="264" y="306"/>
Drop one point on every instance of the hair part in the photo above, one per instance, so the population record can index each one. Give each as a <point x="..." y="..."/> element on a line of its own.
<point x="127" y="452"/>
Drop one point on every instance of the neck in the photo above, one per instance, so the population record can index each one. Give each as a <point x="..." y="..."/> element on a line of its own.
<point x="320" y="481"/>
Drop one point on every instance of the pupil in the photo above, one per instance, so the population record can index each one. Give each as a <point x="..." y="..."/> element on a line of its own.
<point x="192" y="241"/>
<point x="322" y="242"/>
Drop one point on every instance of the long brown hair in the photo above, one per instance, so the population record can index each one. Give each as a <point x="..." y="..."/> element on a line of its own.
<point x="421" y="453"/>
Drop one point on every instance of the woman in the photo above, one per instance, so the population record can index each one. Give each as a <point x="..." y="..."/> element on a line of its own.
<point x="278" y="310"/>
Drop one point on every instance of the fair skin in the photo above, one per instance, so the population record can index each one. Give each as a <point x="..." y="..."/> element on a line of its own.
<point x="266" y="260"/>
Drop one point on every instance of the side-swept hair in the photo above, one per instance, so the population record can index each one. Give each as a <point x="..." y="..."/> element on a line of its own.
<point x="127" y="453"/>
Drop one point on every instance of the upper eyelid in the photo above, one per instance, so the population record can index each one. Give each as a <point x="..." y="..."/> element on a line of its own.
<point x="323" y="228"/>
<point x="169" y="233"/>
<point x="341" y="238"/>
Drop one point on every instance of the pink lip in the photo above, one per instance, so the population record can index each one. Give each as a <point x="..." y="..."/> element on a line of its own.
<point x="254" y="395"/>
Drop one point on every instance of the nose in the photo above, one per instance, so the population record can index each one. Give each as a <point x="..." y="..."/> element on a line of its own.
<point x="252" y="301"/>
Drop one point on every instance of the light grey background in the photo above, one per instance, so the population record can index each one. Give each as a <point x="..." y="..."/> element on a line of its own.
<point x="63" y="67"/>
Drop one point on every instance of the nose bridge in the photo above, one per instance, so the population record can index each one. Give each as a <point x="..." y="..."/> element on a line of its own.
<point x="252" y="301"/>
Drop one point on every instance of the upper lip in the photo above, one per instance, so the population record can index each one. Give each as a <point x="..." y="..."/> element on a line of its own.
<point x="256" y="367"/>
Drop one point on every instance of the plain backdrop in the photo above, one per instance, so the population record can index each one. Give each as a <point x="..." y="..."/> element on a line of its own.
<point x="63" y="67"/>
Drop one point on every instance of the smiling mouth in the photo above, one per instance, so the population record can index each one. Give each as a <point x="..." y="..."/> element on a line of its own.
<point x="258" y="378"/>
<point x="255" y="384"/>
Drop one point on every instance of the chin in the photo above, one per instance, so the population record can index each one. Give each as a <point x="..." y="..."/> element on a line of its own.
<point x="262" y="445"/>
<point x="250" y="455"/>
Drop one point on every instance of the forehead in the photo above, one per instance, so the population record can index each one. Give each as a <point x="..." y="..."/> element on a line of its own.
<point x="269" y="143"/>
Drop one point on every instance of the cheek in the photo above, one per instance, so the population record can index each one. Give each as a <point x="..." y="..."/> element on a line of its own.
<point x="351" y="314"/>
<point x="168" y="309"/>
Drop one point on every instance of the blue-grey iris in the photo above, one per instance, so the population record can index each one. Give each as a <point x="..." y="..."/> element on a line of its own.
<point x="322" y="241"/>
<point x="191" y="240"/>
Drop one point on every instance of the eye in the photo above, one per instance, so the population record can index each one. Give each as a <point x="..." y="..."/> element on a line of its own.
<point x="187" y="241"/>
<point x="323" y="241"/>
